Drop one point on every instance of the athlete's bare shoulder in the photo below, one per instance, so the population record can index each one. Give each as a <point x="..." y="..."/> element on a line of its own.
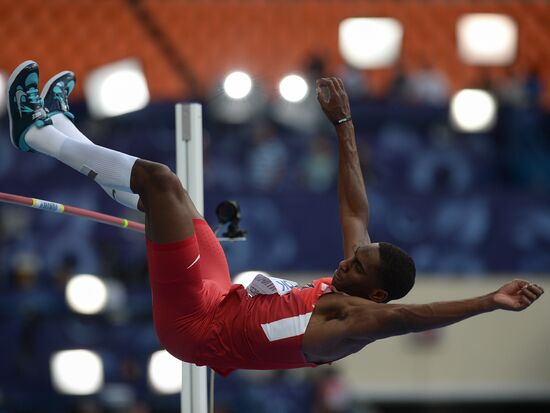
<point x="326" y="338"/>
<point x="337" y="304"/>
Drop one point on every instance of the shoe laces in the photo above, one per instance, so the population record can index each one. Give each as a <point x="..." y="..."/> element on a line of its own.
<point x="34" y="99"/>
<point x="37" y="109"/>
<point x="63" y="103"/>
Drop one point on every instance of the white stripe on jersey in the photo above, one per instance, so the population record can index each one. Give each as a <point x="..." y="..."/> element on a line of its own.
<point x="286" y="327"/>
<point x="194" y="262"/>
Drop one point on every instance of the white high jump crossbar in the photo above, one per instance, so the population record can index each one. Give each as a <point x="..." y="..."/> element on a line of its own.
<point x="190" y="172"/>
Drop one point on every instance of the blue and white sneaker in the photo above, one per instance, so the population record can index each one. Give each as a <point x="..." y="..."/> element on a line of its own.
<point x="25" y="106"/>
<point x="56" y="93"/>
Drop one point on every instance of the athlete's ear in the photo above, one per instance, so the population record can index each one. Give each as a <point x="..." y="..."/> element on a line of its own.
<point x="378" y="296"/>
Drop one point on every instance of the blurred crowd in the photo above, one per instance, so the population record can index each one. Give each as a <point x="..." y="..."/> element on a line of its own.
<point x="465" y="204"/>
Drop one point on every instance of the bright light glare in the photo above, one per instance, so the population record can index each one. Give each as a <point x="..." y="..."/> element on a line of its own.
<point x="86" y="294"/>
<point x="77" y="372"/>
<point x="164" y="373"/>
<point x="237" y="85"/>
<point x="246" y="277"/>
<point x="370" y="42"/>
<point x="116" y="89"/>
<point x="487" y="39"/>
<point x="473" y="110"/>
<point x="293" y="88"/>
<point x="123" y="92"/>
<point x="3" y="92"/>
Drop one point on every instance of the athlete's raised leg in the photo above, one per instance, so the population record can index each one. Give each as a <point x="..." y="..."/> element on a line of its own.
<point x="55" y="95"/>
<point x="181" y="299"/>
<point x="168" y="208"/>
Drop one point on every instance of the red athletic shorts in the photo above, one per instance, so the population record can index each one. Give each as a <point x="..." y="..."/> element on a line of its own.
<point x="189" y="278"/>
<point x="201" y="318"/>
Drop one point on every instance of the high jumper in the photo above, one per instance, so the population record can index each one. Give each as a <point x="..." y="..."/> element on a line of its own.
<point x="199" y="316"/>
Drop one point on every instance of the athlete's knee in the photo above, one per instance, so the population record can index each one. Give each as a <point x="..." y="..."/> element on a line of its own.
<point x="162" y="178"/>
<point x="152" y="176"/>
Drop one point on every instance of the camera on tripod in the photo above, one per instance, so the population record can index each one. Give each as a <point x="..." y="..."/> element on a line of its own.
<point x="229" y="212"/>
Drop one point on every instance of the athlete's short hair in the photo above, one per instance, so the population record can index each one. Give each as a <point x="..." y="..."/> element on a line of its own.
<point x="396" y="272"/>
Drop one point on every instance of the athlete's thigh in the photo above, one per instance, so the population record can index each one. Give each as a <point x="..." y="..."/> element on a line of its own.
<point x="213" y="261"/>
<point x="168" y="209"/>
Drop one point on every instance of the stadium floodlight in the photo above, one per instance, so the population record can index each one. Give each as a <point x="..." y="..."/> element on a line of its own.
<point x="293" y="88"/>
<point x="76" y="372"/>
<point x="487" y="39"/>
<point x="370" y="42"/>
<point x="237" y="85"/>
<point x="3" y="92"/>
<point x="236" y="99"/>
<point x="86" y="294"/>
<point x="116" y="89"/>
<point x="164" y="372"/>
<point x="473" y="110"/>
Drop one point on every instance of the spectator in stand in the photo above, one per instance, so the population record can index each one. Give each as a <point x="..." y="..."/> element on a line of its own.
<point x="267" y="158"/>
<point x="428" y="85"/>
<point x="319" y="165"/>
<point x="511" y="91"/>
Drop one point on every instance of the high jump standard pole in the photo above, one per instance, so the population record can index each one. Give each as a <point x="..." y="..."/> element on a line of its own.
<point x="190" y="172"/>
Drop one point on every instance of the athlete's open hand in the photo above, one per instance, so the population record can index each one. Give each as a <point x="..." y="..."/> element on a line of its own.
<point x="333" y="98"/>
<point x="517" y="295"/>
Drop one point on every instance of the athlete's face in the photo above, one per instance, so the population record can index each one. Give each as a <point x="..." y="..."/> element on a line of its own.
<point x="358" y="274"/>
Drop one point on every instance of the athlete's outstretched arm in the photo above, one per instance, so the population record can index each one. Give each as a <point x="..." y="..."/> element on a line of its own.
<point x="352" y="197"/>
<point x="374" y="321"/>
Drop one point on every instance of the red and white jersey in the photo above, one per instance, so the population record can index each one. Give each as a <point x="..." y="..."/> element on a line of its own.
<point x="261" y="332"/>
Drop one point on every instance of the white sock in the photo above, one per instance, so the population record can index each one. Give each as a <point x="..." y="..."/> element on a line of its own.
<point x="107" y="167"/>
<point x="67" y="127"/>
<point x="127" y="199"/>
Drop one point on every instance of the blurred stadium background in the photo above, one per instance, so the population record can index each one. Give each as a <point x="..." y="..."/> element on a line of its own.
<point x="459" y="180"/>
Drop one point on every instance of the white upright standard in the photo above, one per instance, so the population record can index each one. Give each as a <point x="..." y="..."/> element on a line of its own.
<point x="189" y="171"/>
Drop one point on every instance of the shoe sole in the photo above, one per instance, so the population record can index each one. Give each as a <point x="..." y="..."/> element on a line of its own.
<point x="50" y="82"/>
<point x="14" y="74"/>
